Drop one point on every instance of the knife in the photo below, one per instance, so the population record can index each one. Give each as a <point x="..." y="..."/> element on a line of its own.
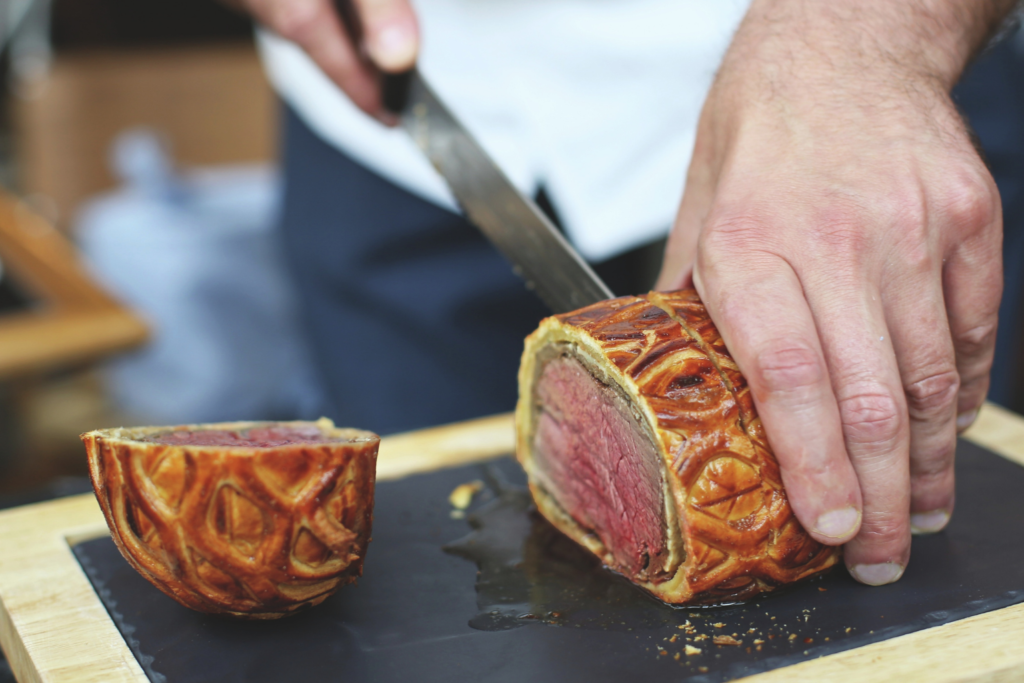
<point x="538" y="251"/>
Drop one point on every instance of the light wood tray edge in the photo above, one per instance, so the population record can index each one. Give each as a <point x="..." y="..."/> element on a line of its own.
<point x="54" y="628"/>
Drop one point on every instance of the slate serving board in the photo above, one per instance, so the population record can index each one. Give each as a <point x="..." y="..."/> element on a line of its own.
<point x="540" y="610"/>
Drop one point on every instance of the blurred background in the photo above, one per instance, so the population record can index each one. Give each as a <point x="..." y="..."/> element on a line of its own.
<point x="139" y="280"/>
<point x="138" y="274"/>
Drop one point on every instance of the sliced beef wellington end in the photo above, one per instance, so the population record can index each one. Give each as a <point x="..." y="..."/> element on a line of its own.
<point x="251" y="519"/>
<point x="640" y="442"/>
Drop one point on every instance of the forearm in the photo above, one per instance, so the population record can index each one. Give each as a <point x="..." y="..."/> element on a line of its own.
<point x="930" y="40"/>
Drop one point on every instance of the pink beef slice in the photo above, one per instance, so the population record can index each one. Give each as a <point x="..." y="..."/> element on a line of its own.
<point x="265" y="436"/>
<point x="601" y="464"/>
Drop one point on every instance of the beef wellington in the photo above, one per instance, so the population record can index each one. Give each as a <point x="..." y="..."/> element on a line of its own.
<point x="641" y="442"/>
<point x="251" y="519"/>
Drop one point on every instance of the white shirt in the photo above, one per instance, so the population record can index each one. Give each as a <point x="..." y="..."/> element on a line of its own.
<point x="596" y="100"/>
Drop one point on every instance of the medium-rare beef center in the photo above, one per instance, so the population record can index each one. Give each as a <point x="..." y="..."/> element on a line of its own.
<point x="641" y="442"/>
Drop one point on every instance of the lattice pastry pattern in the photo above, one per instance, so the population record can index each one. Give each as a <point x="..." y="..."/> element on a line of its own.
<point x="256" y="532"/>
<point x="731" y="531"/>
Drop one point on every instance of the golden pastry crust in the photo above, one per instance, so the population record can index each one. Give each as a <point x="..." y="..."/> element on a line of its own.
<point x="730" y="530"/>
<point x="255" y="532"/>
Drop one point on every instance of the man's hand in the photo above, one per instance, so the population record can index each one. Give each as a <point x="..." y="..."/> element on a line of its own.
<point x="390" y="41"/>
<point x="845" y="237"/>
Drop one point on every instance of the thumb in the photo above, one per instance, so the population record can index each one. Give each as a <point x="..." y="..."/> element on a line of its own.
<point x="391" y="33"/>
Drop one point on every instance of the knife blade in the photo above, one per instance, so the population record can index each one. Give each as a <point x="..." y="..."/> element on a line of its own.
<point x="540" y="254"/>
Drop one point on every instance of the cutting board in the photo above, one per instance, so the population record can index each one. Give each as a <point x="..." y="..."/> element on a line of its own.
<point x="500" y="596"/>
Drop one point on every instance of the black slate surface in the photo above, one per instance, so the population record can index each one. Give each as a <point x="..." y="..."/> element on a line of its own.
<point x="543" y="612"/>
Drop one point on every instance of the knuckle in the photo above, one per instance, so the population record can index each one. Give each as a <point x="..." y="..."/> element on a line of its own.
<point x="871" y="416"/>
<point x="977" y="340"/>
<point x="934" y="394"/>
<point x="784" y="368"/>
<point x="971" y="203"/>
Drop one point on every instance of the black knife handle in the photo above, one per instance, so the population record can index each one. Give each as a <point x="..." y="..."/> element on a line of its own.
<point x="394" y="87"/>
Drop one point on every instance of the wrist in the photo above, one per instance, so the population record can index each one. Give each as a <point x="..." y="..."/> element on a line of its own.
<point x="913" y="41"/>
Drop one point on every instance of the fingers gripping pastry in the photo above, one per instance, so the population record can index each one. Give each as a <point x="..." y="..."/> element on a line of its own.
<point x="641" y="442"/>
<point x="251" y="519"/>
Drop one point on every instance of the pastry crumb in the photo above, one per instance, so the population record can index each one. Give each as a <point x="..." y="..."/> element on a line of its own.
<point x="691" y="650"/>
<point x="462" y="495"/>
<point x="726" y="640"/>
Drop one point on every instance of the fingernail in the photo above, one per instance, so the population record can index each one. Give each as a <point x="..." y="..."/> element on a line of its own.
<point x="965" y="420"/>
<point x="395" y="47"/>
<point x="838" y="523"/>
<point x="928" y="522"/>
<point x="877" y="574"/>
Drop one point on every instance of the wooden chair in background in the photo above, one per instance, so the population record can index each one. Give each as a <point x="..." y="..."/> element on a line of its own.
<point x="74" y="320"/>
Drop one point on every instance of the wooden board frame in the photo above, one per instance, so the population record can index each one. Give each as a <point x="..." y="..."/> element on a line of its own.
<point x="54" y="628"/>
<point x="77" y="321"/>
